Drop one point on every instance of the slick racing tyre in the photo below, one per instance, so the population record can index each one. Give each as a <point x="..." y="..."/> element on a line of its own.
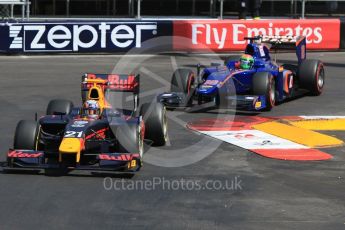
<point x="156" y="125"/>
<point x="183" y="82"/>
<point x="26" y="134"/>
<point x="264" y="84"/>
<point x="311" y="75"/>
<point x="129" y="139"/>
<point x="59" y="106"/>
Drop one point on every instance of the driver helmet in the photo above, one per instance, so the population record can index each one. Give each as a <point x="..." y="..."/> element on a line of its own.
<point x="246" y="61"/>
<point x="92" y="109"/>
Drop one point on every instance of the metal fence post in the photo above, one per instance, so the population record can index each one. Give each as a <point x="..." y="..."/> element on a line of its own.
<point x="23" y="12"/>
<point x="27" y="4"/>
<point x="67" y="7"/>
<point x="139" y="9"/>
<point x="193" y="7"/>
<point x="211" y="3"/>
<point x="130" y="8"/>
<point x="303" y="8"/>
<point x="12" y="8"/>
<point x="221" y="9"/>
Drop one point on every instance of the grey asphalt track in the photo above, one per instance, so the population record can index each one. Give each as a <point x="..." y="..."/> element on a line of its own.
<point x="271" y="194"/>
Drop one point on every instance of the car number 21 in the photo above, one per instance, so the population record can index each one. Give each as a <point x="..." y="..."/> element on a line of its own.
<point x="73" y="134"/>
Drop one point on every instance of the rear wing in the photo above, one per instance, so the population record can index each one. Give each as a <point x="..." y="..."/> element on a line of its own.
<point x="112" y="82"/>
<point x="108" y="84"/>
<point x="288" y="43"/>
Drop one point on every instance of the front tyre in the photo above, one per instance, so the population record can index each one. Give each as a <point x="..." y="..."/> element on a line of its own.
<point x="59" y="106"/>
<point x="156" y="123"/>
<point x="264" y="84"/>
<point x="183" y="82"/>
<point x="26" y="135"/>
<point x="311" y="76"/>
<point x="129" y="139"/>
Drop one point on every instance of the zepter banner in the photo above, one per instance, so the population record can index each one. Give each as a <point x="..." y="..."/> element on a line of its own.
<point x="79" y="36"/>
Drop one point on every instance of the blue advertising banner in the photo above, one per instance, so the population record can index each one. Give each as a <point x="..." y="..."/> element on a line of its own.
<point x="79" y="36"/>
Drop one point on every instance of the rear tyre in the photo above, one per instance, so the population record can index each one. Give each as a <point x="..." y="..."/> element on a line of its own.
<point x="59" y="106"/>
<point x="129" y="139"/>
<point x="183" y="81"/>
<point x="264" y="84"/>
<point x="156" y="125"/>
<point x="311" y="76"/>
<point x="25" y="136"/>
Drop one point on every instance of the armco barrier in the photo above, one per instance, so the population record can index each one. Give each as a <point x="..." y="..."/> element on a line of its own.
<point x="121" y="36"/>
<point x="80" y="36"/>
<point x="227" y="35"/>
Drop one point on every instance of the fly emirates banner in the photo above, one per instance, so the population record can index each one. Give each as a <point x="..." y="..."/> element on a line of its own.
<point x="228" y="35"/>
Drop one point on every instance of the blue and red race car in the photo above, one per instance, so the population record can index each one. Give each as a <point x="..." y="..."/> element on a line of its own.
<point x="259" y="86"/>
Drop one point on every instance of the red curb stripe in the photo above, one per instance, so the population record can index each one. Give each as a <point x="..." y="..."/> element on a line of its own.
<point x="293" y="154"/>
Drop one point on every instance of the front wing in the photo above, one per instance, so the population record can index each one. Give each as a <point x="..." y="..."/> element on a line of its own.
<point x="29" y="159"/>
<point x="246" y="102"/>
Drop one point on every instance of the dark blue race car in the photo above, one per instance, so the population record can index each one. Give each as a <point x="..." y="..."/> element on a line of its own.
<point x="99" y="136"/>
<point x="253" y="82"/>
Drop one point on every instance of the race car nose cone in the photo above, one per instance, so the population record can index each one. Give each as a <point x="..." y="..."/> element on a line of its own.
<point x="70" y="146"/>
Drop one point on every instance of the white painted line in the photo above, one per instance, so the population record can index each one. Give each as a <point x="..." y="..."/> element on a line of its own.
<point x="322" y="117"/>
